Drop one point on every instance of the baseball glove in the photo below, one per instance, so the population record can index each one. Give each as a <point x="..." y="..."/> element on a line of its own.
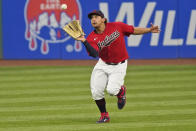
<point x="74" y="29"/>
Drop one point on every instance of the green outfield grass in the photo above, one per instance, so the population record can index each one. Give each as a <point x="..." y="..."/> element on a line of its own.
<point x="51" y="98"/>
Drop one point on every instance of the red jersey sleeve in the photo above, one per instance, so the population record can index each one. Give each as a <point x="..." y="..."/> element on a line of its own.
<point x="125" y="28"/>
<point x="92" y="43"/>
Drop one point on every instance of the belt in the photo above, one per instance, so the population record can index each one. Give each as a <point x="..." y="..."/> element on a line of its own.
<point x="115" y="63"/>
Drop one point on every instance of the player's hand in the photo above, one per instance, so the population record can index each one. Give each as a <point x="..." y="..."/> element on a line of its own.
<point x="81" y="38"/>
<point x="154" y="29"/>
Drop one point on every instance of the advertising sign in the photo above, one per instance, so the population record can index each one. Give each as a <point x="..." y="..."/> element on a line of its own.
<point x="32" y="29"/>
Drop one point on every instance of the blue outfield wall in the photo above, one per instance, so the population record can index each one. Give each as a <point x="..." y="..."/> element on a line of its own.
<point x="32" y="29"/>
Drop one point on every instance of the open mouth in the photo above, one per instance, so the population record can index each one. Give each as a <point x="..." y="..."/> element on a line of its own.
<point x="94" y="23"/>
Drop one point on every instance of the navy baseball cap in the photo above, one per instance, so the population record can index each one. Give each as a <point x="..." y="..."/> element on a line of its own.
<point x="95" y="12"/>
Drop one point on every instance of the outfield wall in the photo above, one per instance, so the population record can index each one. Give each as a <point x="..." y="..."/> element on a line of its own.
<point x="1" y="53"/>
<point x="32" y="28"/>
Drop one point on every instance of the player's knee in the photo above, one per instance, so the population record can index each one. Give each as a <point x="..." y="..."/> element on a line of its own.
<point x="112" y="90"/>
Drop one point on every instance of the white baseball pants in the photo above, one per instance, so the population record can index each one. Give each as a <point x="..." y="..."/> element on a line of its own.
<point x="109" y="77"/>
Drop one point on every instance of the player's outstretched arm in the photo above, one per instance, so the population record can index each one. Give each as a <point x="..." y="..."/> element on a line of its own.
<point x="140" y="30"/>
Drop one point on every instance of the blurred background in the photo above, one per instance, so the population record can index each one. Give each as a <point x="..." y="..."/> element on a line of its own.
<point x="32" y="29"/>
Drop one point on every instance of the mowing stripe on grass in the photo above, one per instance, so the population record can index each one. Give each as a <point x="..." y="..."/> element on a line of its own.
<point x="87" y="95"/>
<point x="111" y="126"/>
<point x="49" y="115"/>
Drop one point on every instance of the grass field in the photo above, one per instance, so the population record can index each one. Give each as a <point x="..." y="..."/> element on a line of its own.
<point x="51" y="98"/>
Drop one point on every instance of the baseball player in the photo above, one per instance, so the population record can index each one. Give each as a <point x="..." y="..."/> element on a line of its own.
<point x="107" y="42"/>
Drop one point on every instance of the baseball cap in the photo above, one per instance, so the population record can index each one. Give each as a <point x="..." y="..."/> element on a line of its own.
<point x="96" y="12"/>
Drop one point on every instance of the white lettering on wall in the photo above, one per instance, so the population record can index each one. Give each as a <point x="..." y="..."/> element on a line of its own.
<point x="104" y="8"/>
<point x="134" y="41"/>
<point x="168" y="41"/>
<point x="192" y="29"/>
<point x="157" y="21"/>
<point x="126" y="10"/>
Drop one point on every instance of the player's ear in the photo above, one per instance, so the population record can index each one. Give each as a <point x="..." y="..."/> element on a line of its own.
<point x="105" y="20"/>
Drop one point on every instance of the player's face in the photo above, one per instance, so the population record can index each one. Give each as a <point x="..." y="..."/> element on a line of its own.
<point x="97" y="21"/>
